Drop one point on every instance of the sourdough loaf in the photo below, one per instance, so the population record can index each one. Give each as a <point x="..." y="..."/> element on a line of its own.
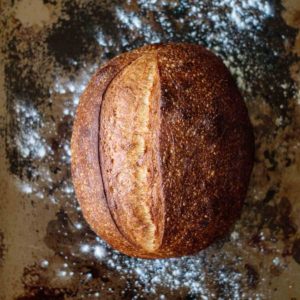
<point x="162" y="151"/>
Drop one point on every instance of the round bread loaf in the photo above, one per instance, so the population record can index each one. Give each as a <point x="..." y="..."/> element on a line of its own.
<point x="162" y="151"/>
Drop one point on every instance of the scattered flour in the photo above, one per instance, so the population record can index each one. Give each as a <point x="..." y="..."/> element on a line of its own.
<point x="25" y="188"/>
<point x="45" y="264"/>
<point x="131" y="20"/>
<point x="99" y="252"/>
<point x="29" y="141"/>
<point x="84" y="248"/>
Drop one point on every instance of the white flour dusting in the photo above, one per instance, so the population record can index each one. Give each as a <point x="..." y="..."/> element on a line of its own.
<point x="131" y="20"/>
<point x="29" y="141"/>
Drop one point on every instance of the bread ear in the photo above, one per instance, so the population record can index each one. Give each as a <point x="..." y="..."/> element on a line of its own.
<point x="128" y="150"/>
<point x="86" y="169"/>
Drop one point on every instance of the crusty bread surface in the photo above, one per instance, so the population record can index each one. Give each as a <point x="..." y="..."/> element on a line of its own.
<point x="162" y="151"/>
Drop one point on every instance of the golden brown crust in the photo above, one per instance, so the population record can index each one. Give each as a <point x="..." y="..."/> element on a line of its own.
<point x="86" y="172"/>
<point x="128" y="126"/>
<point x="183" y="146"/>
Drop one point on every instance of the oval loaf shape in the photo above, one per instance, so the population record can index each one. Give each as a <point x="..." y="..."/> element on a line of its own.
<point x="162" y="151"/>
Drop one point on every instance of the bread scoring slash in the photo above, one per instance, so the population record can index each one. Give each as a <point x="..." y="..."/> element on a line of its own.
<point x="162" y="151"/>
